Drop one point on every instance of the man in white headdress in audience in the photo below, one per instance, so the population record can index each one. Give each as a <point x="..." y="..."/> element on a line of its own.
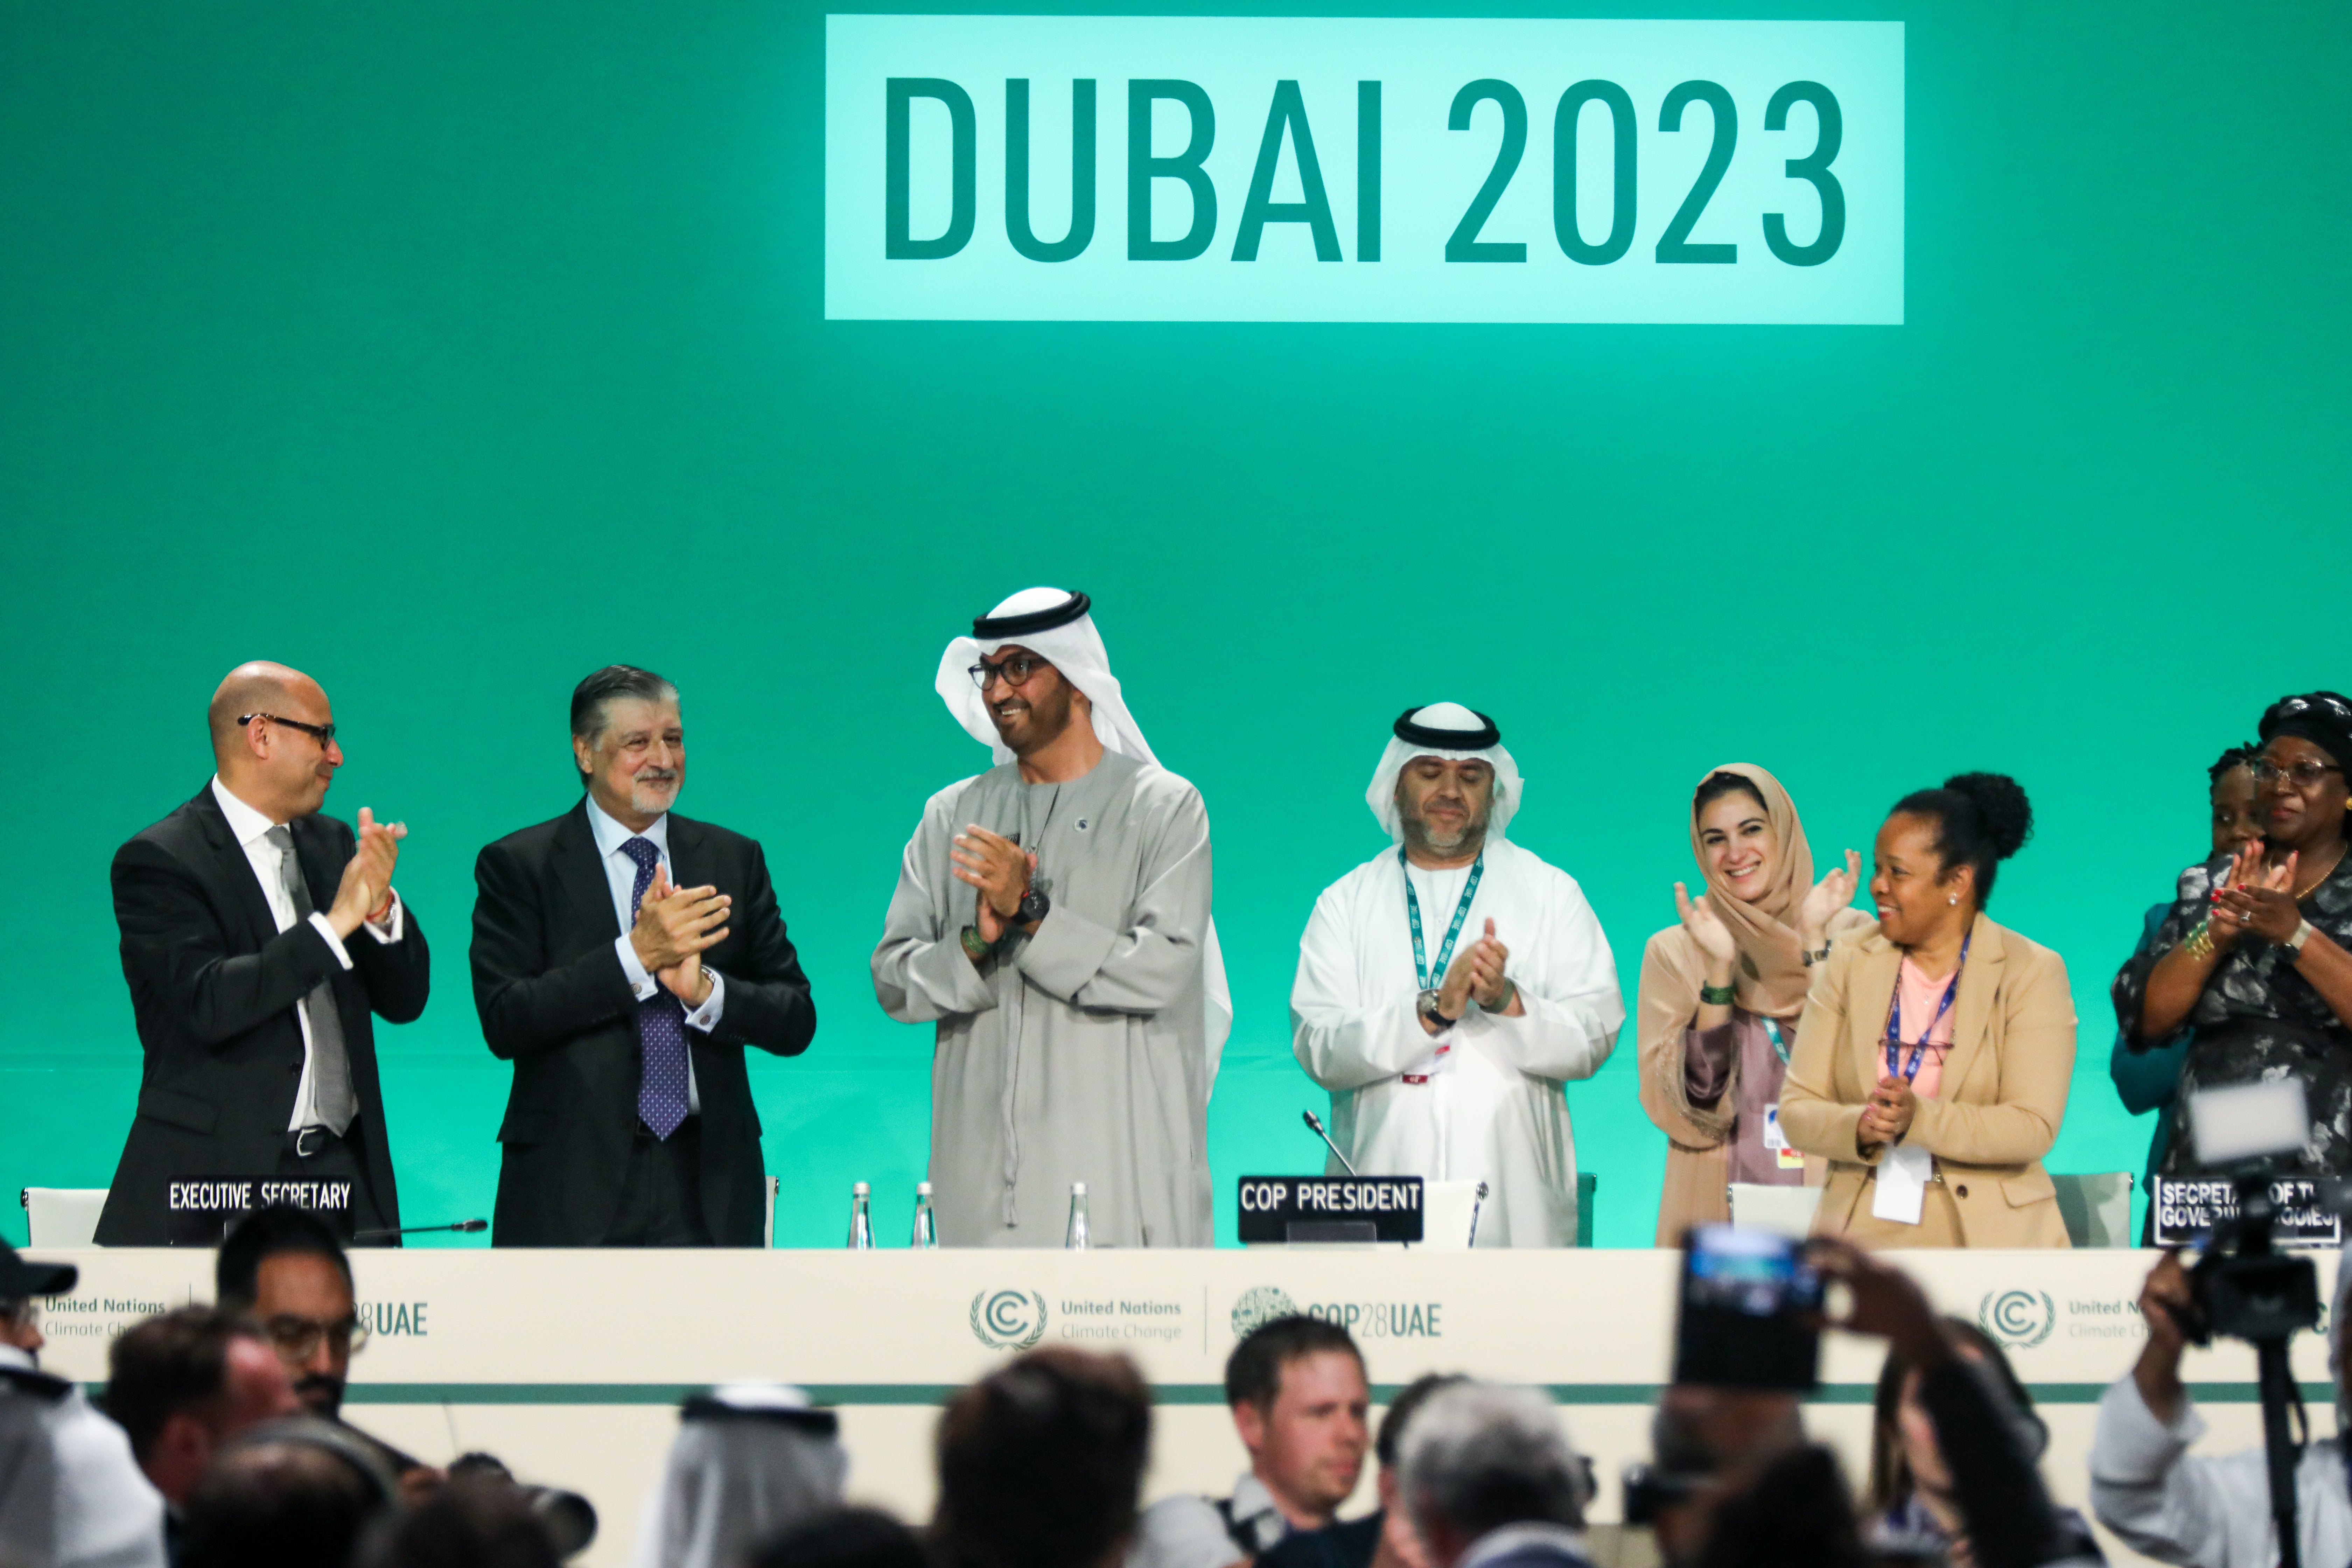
<point x="1052" y="916"/>
<point x="1450" y="986"/>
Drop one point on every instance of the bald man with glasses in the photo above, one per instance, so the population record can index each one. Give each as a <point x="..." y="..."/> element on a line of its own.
<point x="260" y="940"/>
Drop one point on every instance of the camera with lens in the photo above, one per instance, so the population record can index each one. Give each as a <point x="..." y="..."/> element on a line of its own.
<point x="2243" y="1285"/>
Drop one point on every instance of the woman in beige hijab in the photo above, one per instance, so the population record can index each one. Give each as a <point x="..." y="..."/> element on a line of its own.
<point x="1722" y="991"/>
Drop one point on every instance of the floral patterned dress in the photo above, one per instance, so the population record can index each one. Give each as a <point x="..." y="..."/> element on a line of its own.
<point x="2257" y="1018"/>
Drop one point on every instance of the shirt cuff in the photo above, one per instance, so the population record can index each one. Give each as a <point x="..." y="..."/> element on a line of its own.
<point x="641" y="985"/>
<point x="1065" y="952"/>
<point x="334" y="943"/>
<point x="706" y="1017"/>
<point x="393" y="928"/>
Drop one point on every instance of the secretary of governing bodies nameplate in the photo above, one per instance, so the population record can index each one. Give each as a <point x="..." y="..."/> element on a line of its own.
<point x="1346" y="169"/>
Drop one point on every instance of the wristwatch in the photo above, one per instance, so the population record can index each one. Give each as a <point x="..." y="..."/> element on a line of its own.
<point x="1034" y="906"/>
<point x="1427" y="1007"/>
<point x="2302" y="934"/>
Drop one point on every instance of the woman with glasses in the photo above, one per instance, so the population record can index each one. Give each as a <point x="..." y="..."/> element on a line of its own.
<point x="1722" y="991"/>
<point x="1932" y="1067"/>
<point x="2254" y="955"/>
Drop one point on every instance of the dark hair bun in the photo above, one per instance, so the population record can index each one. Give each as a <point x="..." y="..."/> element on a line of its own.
<point x="2002" y="807"/>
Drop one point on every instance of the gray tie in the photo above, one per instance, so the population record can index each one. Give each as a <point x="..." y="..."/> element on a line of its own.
<point x="331" y="1068"/>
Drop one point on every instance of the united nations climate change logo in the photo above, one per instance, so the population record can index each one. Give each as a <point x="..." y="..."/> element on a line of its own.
<point x="1008" y="1319"/>
<point x="2018" y="1319"/>
<point x="1261" y="1304"/>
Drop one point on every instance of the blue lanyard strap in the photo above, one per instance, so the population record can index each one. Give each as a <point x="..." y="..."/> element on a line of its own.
<point x="1460" y="913"/>
<point x="1894" y="1040"/>
<point x="1779" y="1045"/>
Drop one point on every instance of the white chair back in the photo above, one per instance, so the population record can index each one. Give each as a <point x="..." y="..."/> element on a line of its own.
<point x="62" y="1217"/>
<point x="1788" y="1211"/>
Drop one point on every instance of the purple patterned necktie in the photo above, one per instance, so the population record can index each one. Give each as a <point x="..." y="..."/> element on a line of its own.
<point x="661" y="1024"/>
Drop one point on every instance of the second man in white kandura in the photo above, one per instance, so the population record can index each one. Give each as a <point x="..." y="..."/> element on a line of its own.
<point x="1451" y="985"/>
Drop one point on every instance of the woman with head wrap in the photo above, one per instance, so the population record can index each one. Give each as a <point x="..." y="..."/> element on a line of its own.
<point x="2254" y="955"/>
<point x="2147" y="1074"/>
<point x="1722" y="991"/>
<point x="1932" y="1066"/>
<point x="750" y="1460"/>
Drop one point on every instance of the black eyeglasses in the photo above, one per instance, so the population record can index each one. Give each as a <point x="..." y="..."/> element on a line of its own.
<point x="2305" y="774"/>
<point x="298" y="1338"/>
<point x="324" y="732"/>
<point x="1016" y="670"/>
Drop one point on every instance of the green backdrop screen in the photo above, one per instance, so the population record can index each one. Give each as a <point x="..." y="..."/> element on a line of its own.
<point x="450" y="354"/>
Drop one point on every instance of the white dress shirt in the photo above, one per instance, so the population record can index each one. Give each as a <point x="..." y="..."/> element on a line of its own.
<point x="621" y="876"/>
<point x="251" y="829"/>
<point x="71" y="1494"/>
<point x="1188" y="1531"/>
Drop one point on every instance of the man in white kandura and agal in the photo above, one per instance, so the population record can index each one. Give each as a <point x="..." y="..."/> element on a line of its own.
<point x="1052" y="917"/>
<point x="1449" y="987"/>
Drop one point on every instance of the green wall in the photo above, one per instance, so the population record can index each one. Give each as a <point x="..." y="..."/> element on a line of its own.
<point x="448" y="352"/>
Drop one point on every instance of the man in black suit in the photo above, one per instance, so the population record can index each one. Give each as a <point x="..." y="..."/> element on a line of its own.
<point x="259" y="937"/>
<point x="623" y="958"/>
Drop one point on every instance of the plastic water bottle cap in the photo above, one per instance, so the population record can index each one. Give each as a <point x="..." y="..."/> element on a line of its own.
<point x="859" y="1191"/>
<point x="923" y="1189"/>
<point x="1077" y="1189"/>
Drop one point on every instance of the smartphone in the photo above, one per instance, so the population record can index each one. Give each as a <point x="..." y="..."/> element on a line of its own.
<point x="1748" y="1309"/>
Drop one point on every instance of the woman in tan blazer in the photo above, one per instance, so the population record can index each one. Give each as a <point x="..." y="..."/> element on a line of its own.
<point x="1932" y="1066"/>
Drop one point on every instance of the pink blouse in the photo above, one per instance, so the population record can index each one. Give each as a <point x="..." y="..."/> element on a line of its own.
<point x="1921" y="994"/>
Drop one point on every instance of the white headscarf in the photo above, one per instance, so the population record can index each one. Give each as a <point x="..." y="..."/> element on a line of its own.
<point x="1483" y="740"/>
<point x="750" y="1460"/>
<point x="1076" y="649"/>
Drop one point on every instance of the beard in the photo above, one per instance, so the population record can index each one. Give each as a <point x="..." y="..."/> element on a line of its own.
<point x="322" y="1393"/>
<point x="1419" y="835"/>
<point x="652" y="790"/>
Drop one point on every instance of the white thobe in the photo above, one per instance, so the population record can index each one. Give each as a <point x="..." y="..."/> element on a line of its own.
<point x="1483" y="1101"/>
<point x="2207" y="1510"/>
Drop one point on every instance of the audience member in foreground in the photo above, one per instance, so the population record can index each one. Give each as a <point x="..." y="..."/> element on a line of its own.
<point x="1706" y="1441"/>
<point x="183" y="1383"/>
<point x="2254" y="955"/>
<point x="1722" y="991"/>
<point x="472" y="1522"/>
<point x="1041" y="1462"/>
<point x="1911" y="1505"/>
<point x="71" y="1493"/>
<point x="2147" y="1075"/>
<point x="286" y="1269"/>
<point x="843" y="1538"/>
<point x="1383" y="1538"/>
<point x="1446" y="1057"/>
<point x="300" y="1493"/>
<point x="1932" y="1067"/>
<point x="750" y="1459"/>
<point x="1489" y="1479"/>
<point x="2209" y="1510"/>
<point x="1297" y="1389"/>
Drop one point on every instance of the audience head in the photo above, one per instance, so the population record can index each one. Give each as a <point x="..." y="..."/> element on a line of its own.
<point x="473" y="1521"/>
<point x="182" y="1384"/>
<point x="1041" y="1463"/>
<point x="286" y="1268"/>
<point x="1699" y="1434"/>
<point x="628" y="742"/>
<point x="1904" y="1459"/>
<point x="2231" y="788"/>
<point x="22" y="1285"/>
<point x="1397" y="1537"/>
<point x="1481" y="1456"/>
<point x="2300" y="794"/>
<point x="265" y="722"/>
<point x="750" y="1459"/>
<point x="843" y="1538"/>
<point x="300" y="1493"/>
<point x="1793" y="1508"/>
<point x="1301" y="1402"/>
<point x="1938" y="850"/>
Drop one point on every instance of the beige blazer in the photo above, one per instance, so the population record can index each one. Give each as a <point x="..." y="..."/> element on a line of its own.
<point x="1999" y="1108"/>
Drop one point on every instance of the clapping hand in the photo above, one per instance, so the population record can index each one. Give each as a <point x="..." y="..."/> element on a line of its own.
<point x="675" y="924"/>
<point x="998" y="869"/>
<point x="1831" y="894"/>
<point x="1886" y="1114"/>
<point x="1488" y="984"/>
<point x="364" y="894"/>
<point x="1708" y="929"/>
<point x="2254" y="898"/>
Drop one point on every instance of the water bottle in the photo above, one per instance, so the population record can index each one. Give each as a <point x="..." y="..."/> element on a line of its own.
<point x="1076" y="1238"/>
<point x="926" y="1229"/>
<point x="861" y="1217"/>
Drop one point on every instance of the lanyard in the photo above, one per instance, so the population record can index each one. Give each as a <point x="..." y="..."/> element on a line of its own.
<point x="1460" y="913"/>
<point x="1895" y="1039"/>
<point x="1779" y="1046"/>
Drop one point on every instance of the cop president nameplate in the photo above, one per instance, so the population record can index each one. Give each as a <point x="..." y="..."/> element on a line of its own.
<point x="1331" y="1208"/>
<point x="200" y="1209"/>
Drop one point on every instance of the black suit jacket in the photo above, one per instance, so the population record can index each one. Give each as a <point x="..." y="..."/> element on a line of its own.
<point x="214" y="985"/>
<point x="555" y="1002"/>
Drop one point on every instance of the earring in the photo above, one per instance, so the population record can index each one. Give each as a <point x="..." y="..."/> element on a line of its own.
<point x="1954" y="900"/>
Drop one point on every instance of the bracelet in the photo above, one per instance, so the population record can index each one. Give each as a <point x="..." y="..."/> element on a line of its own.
<point x="1717" y="996"/>
<point x="974" y="946"/>
<point x="2302" y="934"/>
<point x="1812" y="958"/>
<point x="2199" y="943"/>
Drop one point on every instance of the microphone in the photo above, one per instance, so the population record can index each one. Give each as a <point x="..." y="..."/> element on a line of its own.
<point x="1474" y="1214"/>
<point x="467" y="1225"/>
<point x="1314" y="1125"/>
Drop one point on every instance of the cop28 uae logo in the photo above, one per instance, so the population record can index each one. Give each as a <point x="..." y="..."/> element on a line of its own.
<point x="1261" y="1304"/>
<point x="1008" y="1319"/>
<point x="2018" y="1319"/>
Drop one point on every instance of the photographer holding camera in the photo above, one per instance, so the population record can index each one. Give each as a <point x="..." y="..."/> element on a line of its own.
<point x="2199" y="1511"/>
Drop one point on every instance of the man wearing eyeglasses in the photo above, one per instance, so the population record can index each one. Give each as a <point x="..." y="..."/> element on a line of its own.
<point x="1052" y="918"/>
<point x="260" y="940"/>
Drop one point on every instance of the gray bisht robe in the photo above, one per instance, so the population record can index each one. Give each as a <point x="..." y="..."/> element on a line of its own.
<point x="1078" y="1053"/>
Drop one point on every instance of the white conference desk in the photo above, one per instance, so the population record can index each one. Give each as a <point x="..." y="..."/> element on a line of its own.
<point x="569" y="1364"/>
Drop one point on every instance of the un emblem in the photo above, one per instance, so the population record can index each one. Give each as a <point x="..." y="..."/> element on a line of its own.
<point x="2018" y="1319"/>
<point x="1008" y="1319"/>
<point x="1261" y="1304"/>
